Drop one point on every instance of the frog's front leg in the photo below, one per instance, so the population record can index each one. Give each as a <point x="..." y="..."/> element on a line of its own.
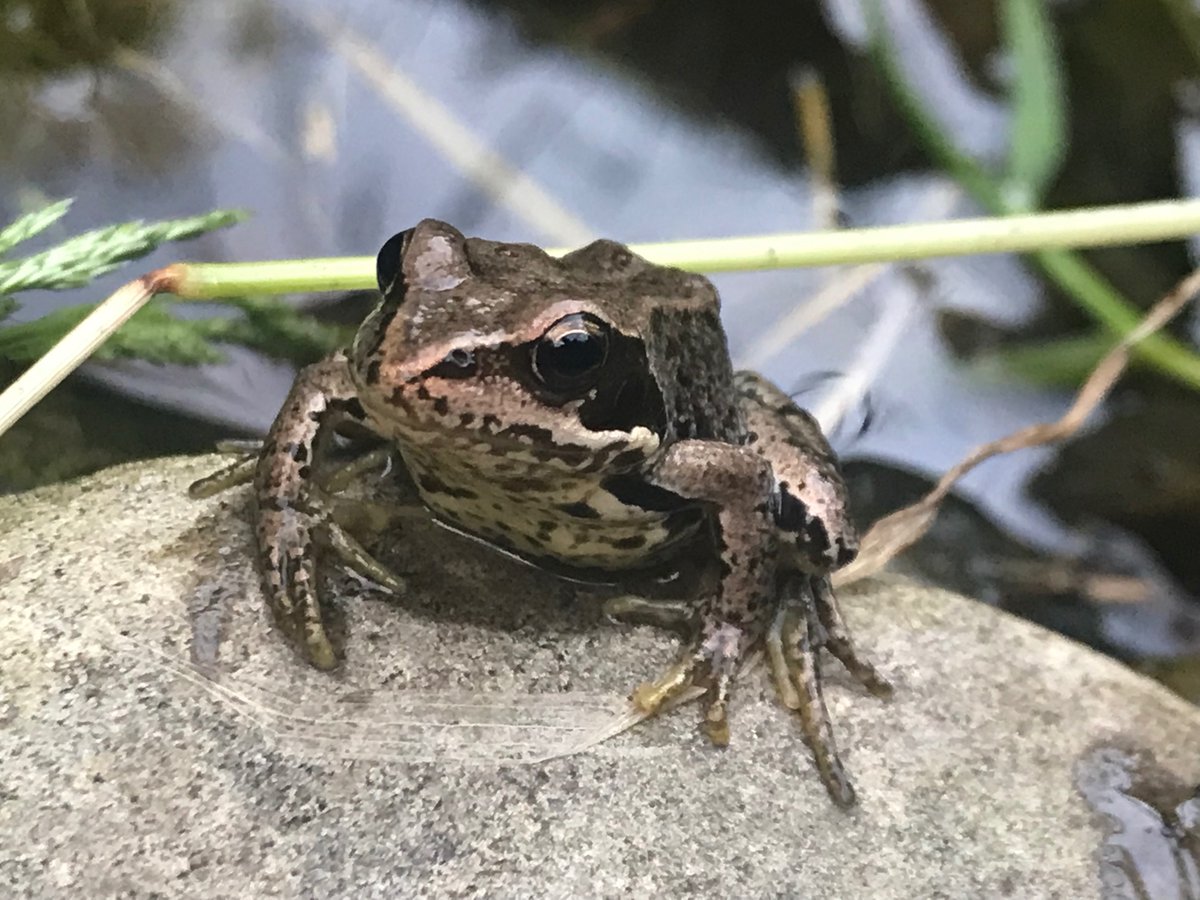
<point x="817" y="537"/>
<point x="294" y="517"/>
<point x="738" y="484"/>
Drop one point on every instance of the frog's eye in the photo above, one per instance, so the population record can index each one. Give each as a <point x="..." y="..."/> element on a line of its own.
<point x="571" y="353"/>
<point x="387" y="263"/>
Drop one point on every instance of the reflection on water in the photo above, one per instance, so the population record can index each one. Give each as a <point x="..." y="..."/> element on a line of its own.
<point x="1151" y="850"/>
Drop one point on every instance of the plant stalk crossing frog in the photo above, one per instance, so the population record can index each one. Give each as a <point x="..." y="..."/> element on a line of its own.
<point x="583" y="414"/>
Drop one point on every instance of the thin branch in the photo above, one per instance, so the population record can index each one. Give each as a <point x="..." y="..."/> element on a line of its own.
<point x="895" y="533"/>
<point x="65" y="356"/>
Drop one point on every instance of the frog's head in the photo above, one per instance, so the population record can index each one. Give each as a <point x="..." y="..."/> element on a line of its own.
<point x="508" y="346"/>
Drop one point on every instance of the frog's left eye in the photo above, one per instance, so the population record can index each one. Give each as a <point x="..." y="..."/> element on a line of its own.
<point x="387" y="263"/>
<point x="571" y="352"/>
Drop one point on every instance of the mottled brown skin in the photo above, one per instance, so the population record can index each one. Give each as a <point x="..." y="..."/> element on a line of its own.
<point x="583" y="414"/>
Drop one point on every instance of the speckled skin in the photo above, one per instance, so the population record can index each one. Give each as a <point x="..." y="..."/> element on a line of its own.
<point x="657" y="453"/>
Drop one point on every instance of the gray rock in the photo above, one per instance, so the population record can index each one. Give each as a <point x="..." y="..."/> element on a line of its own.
<point x="157" y="737"/>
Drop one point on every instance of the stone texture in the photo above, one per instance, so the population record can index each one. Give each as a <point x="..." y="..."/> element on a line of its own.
<point x="157" y="737"/>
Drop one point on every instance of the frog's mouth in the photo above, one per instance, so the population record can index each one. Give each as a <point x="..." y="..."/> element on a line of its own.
<point x="534" y="445"/>
<point x="415" y="414"/>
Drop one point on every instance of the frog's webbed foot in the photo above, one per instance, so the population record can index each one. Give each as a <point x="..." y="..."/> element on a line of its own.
<point x="739" y="484"/>
<point x="288" y="536"/>
<point x="807" y="619"/>
<point x="292" y="538"/>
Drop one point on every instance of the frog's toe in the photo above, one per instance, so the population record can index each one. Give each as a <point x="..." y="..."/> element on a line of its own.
<point x="240" y="447"/>
<point x="837" y="640"/>
<point x="664" y="613"/>
<point x="652" y="696"/>
<point x="796" y="670"/>
<point x="317" y="647"/>
<point x="707" y="668"/>
<point x="338" y="479"/>
<point x="358" y="559"/>
<point x="240" y="471"/>
<point x="297" y="610"/>
<point x="290" y="583"/>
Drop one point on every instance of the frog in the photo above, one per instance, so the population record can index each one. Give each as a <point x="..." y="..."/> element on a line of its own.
<point x="581" y="413"/>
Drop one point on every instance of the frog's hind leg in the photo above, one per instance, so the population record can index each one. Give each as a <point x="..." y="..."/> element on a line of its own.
<point x="793" y="656"/>
<point x="837" y="640"/>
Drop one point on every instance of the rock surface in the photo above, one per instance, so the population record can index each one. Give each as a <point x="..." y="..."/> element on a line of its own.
<point x="157" y="737"/>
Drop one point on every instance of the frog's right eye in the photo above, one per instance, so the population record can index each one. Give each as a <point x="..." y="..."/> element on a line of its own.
<point x="387" y="263"/>
<point x="569" y="356"/>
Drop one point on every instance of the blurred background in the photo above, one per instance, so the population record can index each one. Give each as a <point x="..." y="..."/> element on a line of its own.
<point x="337" y="125"/>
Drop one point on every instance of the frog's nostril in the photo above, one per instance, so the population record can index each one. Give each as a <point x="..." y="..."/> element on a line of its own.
<point x="458" y="363"/>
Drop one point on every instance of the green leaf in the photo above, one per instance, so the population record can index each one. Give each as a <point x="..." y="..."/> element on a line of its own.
<point x="1039" y="140"/>
<point x="1061" y="363"/>
<point x="280" y="330"/>
<point x="7" y="307"/>
<point x="152" y="334"/>
<point x="80" y="259"/>
<point x="156" y="335"/>
<point x="32" y="224"/>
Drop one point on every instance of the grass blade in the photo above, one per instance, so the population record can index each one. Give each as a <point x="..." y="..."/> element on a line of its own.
<point x="933" y="138"/>
<point x="1039" y="117"/>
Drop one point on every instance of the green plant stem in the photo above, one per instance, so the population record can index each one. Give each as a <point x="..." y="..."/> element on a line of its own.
<point x="1097" y="296"/>
<point x="1042" y="234"/>
<point x="1094" y="227"/>
<point x="210" y="281"/>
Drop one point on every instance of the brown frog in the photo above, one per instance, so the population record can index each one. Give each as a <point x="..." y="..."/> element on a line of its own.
<point x="583" y="414"/>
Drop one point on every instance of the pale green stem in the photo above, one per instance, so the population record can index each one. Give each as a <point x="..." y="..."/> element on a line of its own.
<point x="1095" y="227"/>
<point x="1045" y="234"/>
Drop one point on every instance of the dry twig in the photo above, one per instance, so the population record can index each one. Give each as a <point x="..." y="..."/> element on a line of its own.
<point x="895" y="533"/>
